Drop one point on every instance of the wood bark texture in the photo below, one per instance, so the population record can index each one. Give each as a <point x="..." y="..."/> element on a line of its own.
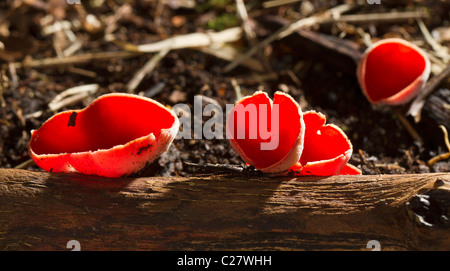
<point x="44" y="211"/>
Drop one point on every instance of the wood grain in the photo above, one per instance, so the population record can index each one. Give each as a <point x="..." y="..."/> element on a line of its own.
<point x="43" y="211"/>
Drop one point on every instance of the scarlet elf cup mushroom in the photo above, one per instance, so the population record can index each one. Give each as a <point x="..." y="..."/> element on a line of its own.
<point x="393" y="71"/>
<point x="305" y="145"/>
<point x="327" y="149"/>
<point x="267" y="134"/>
<point x="116" y="135"/>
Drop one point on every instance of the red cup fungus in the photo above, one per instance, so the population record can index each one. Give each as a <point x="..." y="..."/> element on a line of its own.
<point x="306" y="146"/>
<point x="327" y="149"/>
<point x="393" y="71"/>
<point x="115" y="136"/>
<point x="350" y="170"/>
<point x="267" y="134"/>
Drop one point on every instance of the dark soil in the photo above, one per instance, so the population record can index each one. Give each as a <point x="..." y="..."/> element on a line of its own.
<point x="317" y="77"/>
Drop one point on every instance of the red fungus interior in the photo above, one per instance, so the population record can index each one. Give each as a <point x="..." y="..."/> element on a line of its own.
<point x="109" y="121"/>
<point x="289" y="129"/>
<point x="390" y="67"/>
<point x="321" y="142"/>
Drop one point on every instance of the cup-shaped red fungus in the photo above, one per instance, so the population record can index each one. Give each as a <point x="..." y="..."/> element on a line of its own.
<point x="327" y="149"/>
<point x="393" y="71"/>
<point x="116" y="135"/>
<point x="350" y="169"/>
<point x="267" y="134"/>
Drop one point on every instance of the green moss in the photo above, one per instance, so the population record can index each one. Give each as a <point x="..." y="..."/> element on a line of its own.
<point x="222" y="22"/>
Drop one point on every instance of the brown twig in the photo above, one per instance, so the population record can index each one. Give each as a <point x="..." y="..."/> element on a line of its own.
<point x="4" y="83"/>
<point x="382" y="17"/>
<point x="441" y="51"/>
<point x="416" y="137"/>
<point x="71" y="60"/>
<point x="287" y="30"/>
<point x="276" y="3"/>
<point x="444" y="156"/>
<point x="67" y="97"/>
<point x="242" y="11"/>
<point x="237" y="89"/>
<point x="146" y="69"/>
<point x="230" y="53"/>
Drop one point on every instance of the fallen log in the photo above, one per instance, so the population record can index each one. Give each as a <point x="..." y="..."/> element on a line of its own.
<point x="45" y="211"/>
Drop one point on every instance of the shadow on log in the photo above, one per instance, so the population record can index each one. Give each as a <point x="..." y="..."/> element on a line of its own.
<point x="44" y="211"/>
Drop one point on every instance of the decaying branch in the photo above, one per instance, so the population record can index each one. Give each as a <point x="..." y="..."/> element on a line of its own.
<point x="73" y="60"/>
<point x="44" y="211"/>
